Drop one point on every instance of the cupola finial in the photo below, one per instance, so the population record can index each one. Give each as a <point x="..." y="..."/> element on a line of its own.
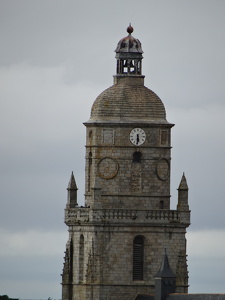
<point x="130" y="29"/>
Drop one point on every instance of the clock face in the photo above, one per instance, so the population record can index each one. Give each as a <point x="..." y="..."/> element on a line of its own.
<point x="137" y="136"/>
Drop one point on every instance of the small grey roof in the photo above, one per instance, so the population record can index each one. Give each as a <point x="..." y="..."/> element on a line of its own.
<point x="165" y="270"/>
<point x="195" y="297"/>
<point x="185" y="297"/>
<point x="145" y="297"/>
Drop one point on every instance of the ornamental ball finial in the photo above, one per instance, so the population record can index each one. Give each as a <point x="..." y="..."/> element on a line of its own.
<point x="130" y="29"/>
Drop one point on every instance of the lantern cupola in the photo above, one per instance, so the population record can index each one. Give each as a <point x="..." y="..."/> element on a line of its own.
<point x="129" y="55"/>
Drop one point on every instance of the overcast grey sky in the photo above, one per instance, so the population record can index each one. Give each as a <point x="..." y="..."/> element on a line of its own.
<point x="55" y="58"/>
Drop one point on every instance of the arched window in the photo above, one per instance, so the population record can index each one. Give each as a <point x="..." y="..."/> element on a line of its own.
<point x="137" y="156"/>
<point x="161" y="204"/>
<point x="138" y="258"/>
<point x="81" y="259"/>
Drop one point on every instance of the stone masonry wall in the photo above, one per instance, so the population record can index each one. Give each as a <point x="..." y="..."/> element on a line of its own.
<point x="108" y="258"/>
<point x="110" y="166"/>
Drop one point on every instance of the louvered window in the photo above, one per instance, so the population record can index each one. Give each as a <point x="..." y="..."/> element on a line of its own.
<point x="138" y="255"/>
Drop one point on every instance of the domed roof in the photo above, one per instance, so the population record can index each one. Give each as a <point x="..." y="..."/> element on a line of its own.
<point x="130" y="103"/>
<point x="128" y="100"/>
<point x="129" y="43"/>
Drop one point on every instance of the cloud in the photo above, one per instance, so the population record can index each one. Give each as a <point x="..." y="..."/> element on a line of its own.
<point x="27" y="288"/>
<point x="31" y="242"/>
<point x="38" y="105"/>
<point x="206" y="244"/>
<point x="198" y="150"/>
<point x="42" y="140"/>
<point x="206" y="261"/>
<point x="31" y="258"/>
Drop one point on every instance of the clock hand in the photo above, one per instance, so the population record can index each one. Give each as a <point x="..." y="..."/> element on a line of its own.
<point x="137" y="141"/>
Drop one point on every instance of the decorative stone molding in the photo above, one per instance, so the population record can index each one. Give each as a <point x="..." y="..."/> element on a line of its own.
<point x="163" y="169"/>
<point x="107" y="168"/>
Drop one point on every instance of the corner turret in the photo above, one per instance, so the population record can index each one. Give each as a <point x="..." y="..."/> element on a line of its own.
<point x="183" y="195"/>
<point x="72" y="192"/>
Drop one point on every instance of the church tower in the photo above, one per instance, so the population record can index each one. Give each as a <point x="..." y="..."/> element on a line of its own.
<point x="117" y="239"/>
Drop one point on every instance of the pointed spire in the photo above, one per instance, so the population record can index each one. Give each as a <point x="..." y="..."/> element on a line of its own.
<point x="72" y="183"/>
<point x="72" y="192"/>
<point x="183" y="195"/>
<point x="183" y="183"/>
<point x="165" y="280"/>
<point x="165" y="270"/>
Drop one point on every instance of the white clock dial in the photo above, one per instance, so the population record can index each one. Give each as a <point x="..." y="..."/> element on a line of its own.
<point x="137" y="136"/>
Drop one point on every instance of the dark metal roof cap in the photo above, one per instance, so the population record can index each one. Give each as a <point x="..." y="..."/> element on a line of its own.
<point x="165" y="270"/>
<point x="129" y="44"/>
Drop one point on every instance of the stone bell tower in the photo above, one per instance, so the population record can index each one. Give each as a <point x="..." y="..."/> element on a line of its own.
<point x="117" y="240"/>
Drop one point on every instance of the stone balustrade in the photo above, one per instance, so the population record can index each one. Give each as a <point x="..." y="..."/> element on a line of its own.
<point x="85" y="215"/>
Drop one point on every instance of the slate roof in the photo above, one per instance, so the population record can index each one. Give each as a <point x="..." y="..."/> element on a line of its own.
<point x="185" y="297"/>
<point x="196" y="297"/>
<point x="113" y="103"/>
